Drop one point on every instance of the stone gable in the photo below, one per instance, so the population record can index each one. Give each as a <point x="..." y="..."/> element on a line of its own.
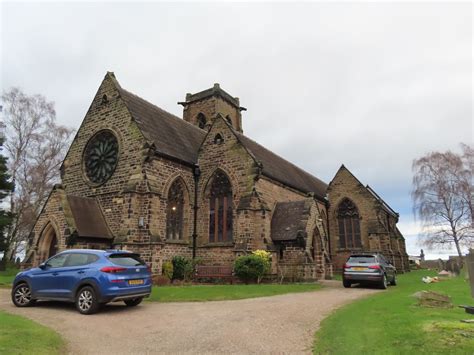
<point x="107" y="112"/>
<point x="157" y="149"/>
<point x="377" y="223"/>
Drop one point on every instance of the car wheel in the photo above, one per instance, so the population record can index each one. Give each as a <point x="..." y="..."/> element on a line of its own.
<point x="133" y="302"/>
<point x="86" y="301"/>
<point x="394" y="280"/>
<point x="21" y="296"/>
<point x="346" y="283"/>
<point x="384" y="282"/>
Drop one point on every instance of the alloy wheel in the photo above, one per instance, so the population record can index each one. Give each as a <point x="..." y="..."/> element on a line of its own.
<point x="22" y="295"/>
<point x="85" y="300"/>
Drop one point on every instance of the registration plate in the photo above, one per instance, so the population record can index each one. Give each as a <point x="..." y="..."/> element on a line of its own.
<point x="135" y="282"/>
<point x="359" y="268"/>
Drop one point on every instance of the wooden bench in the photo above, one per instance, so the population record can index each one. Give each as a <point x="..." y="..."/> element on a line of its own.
<point x="214" y="272"/>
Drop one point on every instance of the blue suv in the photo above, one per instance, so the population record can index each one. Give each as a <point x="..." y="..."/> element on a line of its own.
<point x="89" y="278"/>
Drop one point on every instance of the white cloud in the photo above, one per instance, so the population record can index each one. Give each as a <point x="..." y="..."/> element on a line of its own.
<point x="369" y="85"/>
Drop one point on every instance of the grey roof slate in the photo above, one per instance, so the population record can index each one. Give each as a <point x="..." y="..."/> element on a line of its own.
<point x="177" y="138"/>
<point x="289" y="220"/>
<point x="277" y="168"/>
<point x="171" y="135"/>
<point x="88" y="217"/>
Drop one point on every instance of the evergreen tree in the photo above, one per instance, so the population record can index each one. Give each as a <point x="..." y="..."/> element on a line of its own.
<point x="5" y="216"/>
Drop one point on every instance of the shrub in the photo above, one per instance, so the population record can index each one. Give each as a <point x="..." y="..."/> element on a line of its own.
<point x="167" y="269"/>
<point x="250" y="268"/>
<point x="266" y="257"/>
<point x="182" y="268"/>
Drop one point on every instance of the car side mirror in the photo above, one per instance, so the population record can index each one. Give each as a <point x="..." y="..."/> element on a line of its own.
<point x="43" y="266"/>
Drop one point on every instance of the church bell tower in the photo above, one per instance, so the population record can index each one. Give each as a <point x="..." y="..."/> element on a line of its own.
<point x="201" y="108"/>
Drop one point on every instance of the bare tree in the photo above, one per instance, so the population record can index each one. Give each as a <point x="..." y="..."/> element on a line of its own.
<point x="466" y="179"/>
<point x="36" y="146"/>
<point x="442" y="195"/>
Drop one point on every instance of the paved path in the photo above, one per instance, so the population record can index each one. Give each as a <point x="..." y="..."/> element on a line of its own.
<point x="278" y="324"/>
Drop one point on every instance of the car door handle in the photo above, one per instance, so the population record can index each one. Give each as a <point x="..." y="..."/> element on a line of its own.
<point x="81" y="272"/>
<point x="55" y="274"/>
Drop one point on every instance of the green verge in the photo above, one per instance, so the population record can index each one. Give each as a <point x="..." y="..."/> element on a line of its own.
<point x="391" y="322"/>
<point x="19" y="335"/>
<point x="200" y="293"/>
<point x="7" y="276"/>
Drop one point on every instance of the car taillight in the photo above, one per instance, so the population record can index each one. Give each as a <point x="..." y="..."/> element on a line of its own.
<point x="148" y="268"/>
<point x="376" y="267"/>
<point x="112" y="269"/>
<point x="346" y="266"/>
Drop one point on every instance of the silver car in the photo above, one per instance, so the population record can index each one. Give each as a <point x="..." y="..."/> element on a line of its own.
<point x="369" y="268"/>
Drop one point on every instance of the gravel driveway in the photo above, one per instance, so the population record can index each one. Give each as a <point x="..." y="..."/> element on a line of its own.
<point x="278" y="324"/>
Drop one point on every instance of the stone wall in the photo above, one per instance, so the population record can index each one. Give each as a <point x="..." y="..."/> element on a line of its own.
<point x="377" y="226"/>
<point x="234" y="161"/>
<point x="56" y="219"/>
<point x="210" y="107"/>
<point x="114" y="116"/>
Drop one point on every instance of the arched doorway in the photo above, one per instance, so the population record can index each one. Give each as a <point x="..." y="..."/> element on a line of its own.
<point x="48" y="245"/>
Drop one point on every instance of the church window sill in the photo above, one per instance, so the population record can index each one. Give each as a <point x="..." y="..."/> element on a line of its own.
<point x="176" y="241"/>
<point x="218" y="244"/>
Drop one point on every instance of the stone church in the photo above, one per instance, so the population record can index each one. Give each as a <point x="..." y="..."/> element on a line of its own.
<point x="139" y="178"/>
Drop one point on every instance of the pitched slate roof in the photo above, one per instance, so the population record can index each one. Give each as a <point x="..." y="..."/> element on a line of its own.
<point x="177" y="138"/>
<point x="277" y="168"/>
<point x="289" y="220"/>
<point x="382" y="202"/>
<point x="88" y="218"/>
<point x="171" y="135"/>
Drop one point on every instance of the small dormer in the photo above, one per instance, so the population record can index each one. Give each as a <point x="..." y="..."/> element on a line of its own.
<point x="201" y="108"/>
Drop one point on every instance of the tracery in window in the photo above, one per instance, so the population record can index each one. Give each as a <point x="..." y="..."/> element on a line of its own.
<point x="349" y="225"/>
<point x="220" y="209"/>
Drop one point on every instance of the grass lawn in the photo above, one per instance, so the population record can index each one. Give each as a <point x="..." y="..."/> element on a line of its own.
<point x="196" y="293"/>
<point x="392" y="323"/>
<point x="6" y="277"/>
<point x="19" y="335"/>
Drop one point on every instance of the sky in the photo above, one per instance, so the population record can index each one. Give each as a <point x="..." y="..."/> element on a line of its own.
<point x="368" y="85"/>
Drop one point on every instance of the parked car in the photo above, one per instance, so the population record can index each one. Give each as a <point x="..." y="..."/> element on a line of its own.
<point x="369" y="268"/>
<point x="89" y="278"/>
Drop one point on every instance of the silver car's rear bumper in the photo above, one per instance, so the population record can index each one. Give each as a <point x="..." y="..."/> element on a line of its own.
<point x="362" y="276"/>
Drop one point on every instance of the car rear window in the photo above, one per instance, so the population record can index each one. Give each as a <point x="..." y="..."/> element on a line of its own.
<point x="362" y="259"/>
<point x="126" y="259"/>
<point x="77" y="259"/>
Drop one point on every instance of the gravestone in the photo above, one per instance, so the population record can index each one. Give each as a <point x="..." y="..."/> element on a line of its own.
<point x="452" y="265"/>
<point x="441" y="265"/>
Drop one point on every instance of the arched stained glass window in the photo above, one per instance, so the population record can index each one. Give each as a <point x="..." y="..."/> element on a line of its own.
<point x="175" y="211"/>
<point x="349" y="225"/>
<point x="220" y="209"/>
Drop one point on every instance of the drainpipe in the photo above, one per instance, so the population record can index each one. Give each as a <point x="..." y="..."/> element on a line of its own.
<point x="196" y="175"/>
<point x="328" y="231"/>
